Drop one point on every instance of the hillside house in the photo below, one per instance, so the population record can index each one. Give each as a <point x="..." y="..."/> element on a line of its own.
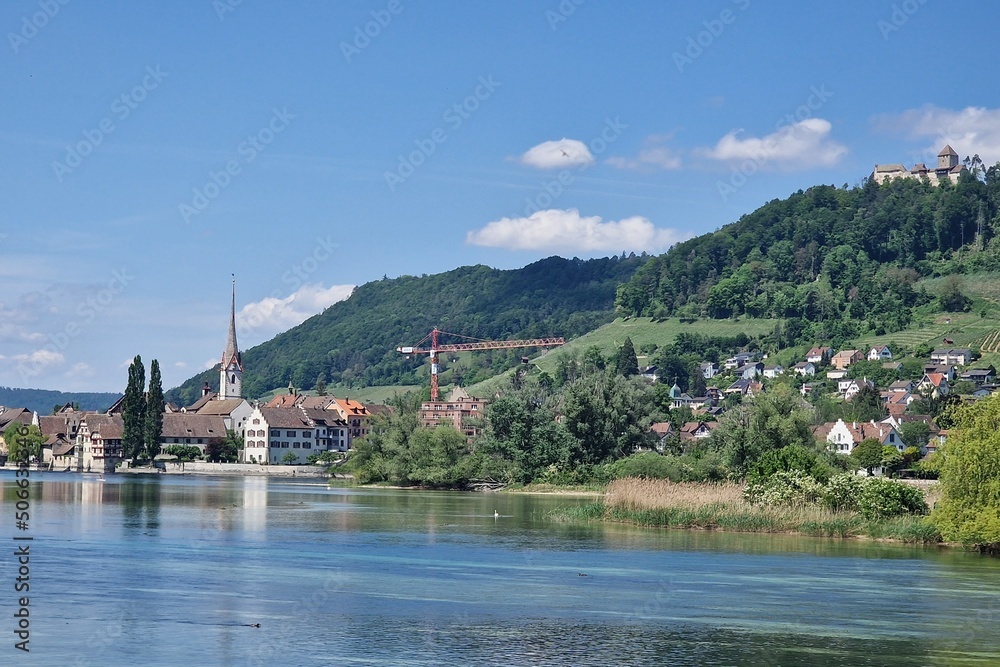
<point x="901" y="386"/>
<point x="709" y="369"/>
<point x="805" y="368"/>
<point x="949" y="372"/>
<point x="843" y="359"/>
<point x="979" y="376"/>
<point x="849" y="388"/>
<point x="952" y="357"/>
<point x="880" y="353"/>
<point x="819" y="355"/>
<point x="842" y="437"/>
<point x="934" y="385"/>
<point x="737" y="360"/>
<point x="749" y="371"/>
<point x="773" y="371"/>
<point x="697" y="430"/>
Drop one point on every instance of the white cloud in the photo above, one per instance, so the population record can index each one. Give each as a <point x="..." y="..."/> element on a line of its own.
<point x="211" y="363"/>
<point x="180" y="364"/>
<point x="568" y="231"/>
<point x="558" y="155"/>
<point x="80" y="370"/>
<point x="969" y="131"/>
<point x="272" y="315"/>
<point x="40" y="359"/>
<point x="654" y="155"/>
<point x="804" y="144"/>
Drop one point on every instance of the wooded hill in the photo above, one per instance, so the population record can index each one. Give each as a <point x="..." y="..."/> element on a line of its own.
<point x="828" y="264"/>
<point x="43" y="401"/>
<point x="834" y="263"/>
<point x="354" y="342"/>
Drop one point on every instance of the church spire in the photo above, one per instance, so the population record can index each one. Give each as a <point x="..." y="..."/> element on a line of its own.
<point x="231" y="370"/>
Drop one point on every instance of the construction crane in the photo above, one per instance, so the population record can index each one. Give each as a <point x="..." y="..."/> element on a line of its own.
<point x="478" y="344"/>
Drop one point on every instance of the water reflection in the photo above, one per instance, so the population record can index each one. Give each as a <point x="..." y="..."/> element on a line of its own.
<point x="358" y="576"/>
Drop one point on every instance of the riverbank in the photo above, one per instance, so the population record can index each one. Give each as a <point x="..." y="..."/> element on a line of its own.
<point x="702" y="506"/>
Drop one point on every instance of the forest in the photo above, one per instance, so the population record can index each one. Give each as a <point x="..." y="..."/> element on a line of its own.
<point x="835" y="263"/>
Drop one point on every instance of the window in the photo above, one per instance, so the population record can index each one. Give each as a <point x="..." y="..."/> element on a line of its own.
<point x="296" y="445"/>
<point x="289" y="434"/>
<point x="256" y="421"/>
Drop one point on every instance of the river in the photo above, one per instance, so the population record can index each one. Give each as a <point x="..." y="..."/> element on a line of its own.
<point x="177" y="570"/>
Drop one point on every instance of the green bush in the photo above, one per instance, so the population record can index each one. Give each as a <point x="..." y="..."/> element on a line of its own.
<point x="791" y="487"/>
<point x="842" y="492"/>
<point x="881" y="498"/>
<point x="707" y="467"/>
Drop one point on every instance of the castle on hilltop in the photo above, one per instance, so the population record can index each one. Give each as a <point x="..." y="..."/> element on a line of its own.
<point x="948" y="169"/>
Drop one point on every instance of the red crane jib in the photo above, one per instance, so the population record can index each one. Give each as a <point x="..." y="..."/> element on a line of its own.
<point x="485" y="345"/>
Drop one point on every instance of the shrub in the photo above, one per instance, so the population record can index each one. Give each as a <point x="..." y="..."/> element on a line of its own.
<point x="792" y="487"/>
<point x="707" y="467"/>
<point x="842" y="491"/>
<point x="881" y="498"/>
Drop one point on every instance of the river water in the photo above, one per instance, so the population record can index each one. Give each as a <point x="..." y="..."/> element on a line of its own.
<point x="146" y="571"/>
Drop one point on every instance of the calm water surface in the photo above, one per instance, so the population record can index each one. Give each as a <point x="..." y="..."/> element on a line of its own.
<point x="172" y="570"/>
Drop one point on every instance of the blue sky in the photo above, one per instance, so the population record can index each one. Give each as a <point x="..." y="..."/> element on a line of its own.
<point x="149" y="150"/>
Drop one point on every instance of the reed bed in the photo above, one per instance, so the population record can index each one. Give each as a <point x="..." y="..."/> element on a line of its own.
<point x="661" y="503"/>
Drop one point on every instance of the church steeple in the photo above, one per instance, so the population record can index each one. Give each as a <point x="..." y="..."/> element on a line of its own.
<point x="231" y="370"/>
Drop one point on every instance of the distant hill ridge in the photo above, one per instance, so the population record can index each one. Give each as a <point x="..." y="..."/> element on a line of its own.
<point x="354" y="341"/>
<point x="43" y="401"/>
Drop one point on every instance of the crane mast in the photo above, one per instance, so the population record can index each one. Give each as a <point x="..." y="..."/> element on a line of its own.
<point x="436" y="347"/>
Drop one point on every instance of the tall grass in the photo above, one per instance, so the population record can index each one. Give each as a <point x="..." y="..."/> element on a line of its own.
<point x="660" y="503"/>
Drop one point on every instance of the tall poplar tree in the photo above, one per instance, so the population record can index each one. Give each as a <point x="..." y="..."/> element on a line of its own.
<point x="134" y="410"/>
<point x="153" y="426"/>
<point x="626" y="362"/>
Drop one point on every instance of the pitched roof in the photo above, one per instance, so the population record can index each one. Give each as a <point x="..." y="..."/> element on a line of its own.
<point x="111" y="427"/>
<point x="285" y="418"/>
<point x="947" y="150"/>
<point x="10" y="415"/>
<point x="190" y="425"/>
<point x="220" y="407"/>
<point x="323" y="417"/>
<point x="349" y="407"/>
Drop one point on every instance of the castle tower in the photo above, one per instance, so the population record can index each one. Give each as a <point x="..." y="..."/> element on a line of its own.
<point x="947" y="158"/>
<point x="231" y="370"/>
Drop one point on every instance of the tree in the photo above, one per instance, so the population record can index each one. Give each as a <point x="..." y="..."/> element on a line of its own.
<point x="226" y="450"/>
<point x="915" y="434"/>
<point x="321" y="385"/>
<point x="289" y="458"/>
<point x="134" y="410"/>
<point x="24" y="442"/>
<point x="952" y="298"/>
<point x="892" y="459"/>
<point x="969" y="510"/>
<point x="770" y="421"/>
<point x="866" y="405"/>
<point x="868" y="454"/>
<point x="626" y="362"/>
<point x="153" y="427"/>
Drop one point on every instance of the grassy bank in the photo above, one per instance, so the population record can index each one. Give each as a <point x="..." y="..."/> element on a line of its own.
<point x="663" y="504"/>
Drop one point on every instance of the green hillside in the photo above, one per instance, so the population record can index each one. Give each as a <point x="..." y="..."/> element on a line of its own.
<point x="353" y="343"/>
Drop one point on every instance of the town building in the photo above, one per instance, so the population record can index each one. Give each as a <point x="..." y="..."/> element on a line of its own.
<point x="462" y="411"/>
